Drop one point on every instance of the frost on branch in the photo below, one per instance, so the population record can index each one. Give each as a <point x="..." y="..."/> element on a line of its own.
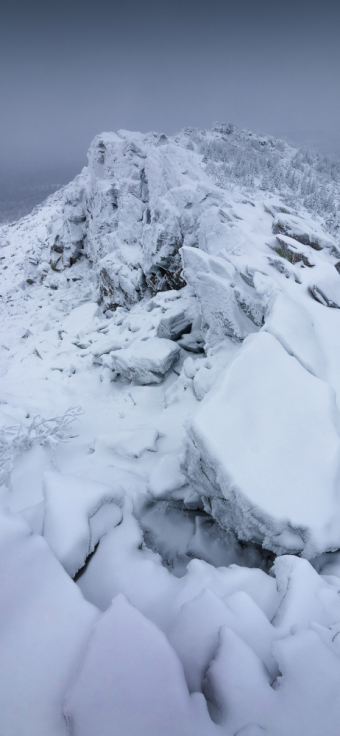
<point x="16" y="438"/>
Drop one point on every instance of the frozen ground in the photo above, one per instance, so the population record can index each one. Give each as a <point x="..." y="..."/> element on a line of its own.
<point x="169" y="447"/>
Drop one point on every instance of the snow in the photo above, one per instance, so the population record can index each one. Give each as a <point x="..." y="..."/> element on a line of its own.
<point x="166" y="476"/>
<point x="148" y="698"/>
<point x="131" y="442"/>
<point x="293" y="326"/>
<point x="73" y="507"/>
<point x="45" y="624"/>
<point x="169" y="444"/>
<point x="326" y="290"/>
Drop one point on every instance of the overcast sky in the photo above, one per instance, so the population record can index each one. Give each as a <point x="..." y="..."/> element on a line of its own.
<point x="73" y="68"/>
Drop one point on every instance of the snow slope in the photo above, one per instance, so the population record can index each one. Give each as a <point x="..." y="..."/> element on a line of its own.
<point x="169" y="444"/>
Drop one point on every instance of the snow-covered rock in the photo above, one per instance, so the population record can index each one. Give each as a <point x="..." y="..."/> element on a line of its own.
<point x="145" y="361"/>
<point x="302" y="231"/>
<point x="132" y="680"/>
<point x="265" y="450"/>
<point x="327" y="291"/>
<point x="293" y="326"/>
<point x="166" y="476"/>
<point x="229" y="305"/>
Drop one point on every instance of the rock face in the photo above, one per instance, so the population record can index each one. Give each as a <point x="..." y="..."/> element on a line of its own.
<point x="143" y="197"/>
<point x="138" y="202"/>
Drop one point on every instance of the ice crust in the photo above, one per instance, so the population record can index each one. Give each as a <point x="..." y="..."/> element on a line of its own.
<point x="191" y="314"/>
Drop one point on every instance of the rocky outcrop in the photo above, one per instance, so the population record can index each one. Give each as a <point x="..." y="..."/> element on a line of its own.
<point x="132" y="210"/>
<point x="298" y="229"/>
<point x="327" y="291"/>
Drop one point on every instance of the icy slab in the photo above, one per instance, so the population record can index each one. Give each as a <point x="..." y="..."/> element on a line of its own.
<point x="326" y="290"/>
<point x="78" y="513"/>
<point x="305" y="596"/>
<point x="44" y="628"/>
<point x="237" y="674"/>
<point x="267" y="442"/>
<point x="131" y="681"/>
<point x="146" y="361"/>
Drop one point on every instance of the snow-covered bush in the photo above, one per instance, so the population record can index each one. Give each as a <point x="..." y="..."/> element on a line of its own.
<point x="302" y="177"/>
<point x="17" y="437"/>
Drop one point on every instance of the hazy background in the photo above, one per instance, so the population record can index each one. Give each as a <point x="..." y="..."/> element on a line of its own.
<point x="70" y="69"/>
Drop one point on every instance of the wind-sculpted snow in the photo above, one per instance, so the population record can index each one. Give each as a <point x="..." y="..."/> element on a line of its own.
<point x="169" y="548"/>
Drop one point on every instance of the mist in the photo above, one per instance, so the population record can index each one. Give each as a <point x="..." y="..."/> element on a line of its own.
<point x="69" y="70"/>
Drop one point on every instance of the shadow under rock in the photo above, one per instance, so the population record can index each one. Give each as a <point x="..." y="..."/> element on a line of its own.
<point x="180" y="534"/>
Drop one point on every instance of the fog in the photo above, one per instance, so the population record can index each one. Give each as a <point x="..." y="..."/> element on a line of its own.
<point x="69" y="70"/>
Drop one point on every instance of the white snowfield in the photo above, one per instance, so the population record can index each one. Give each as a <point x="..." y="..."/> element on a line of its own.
<point x="170" y="444"/>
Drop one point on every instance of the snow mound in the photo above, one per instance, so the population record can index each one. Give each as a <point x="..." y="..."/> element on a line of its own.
<point x="132" y="678"/>
<point x="77" y="514"/>
<point x="131" y="442"/>
<point x="44" y="629"/>
<point x="267" y="442"/>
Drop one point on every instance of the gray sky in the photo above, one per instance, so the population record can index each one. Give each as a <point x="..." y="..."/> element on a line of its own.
<point x="73" y="68"/>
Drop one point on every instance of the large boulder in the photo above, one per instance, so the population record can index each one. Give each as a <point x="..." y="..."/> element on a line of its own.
<point x="145" y="361"/>
<point x="264" y="450"/>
